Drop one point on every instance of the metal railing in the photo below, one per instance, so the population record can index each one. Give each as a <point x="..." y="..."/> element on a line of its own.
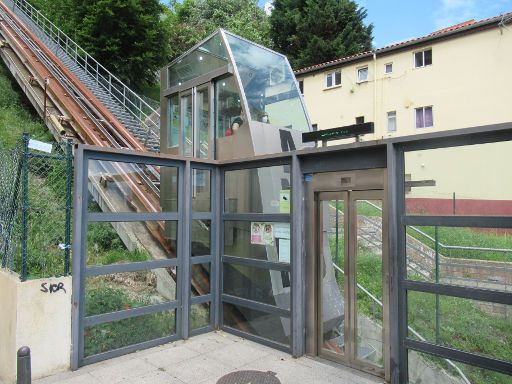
<point x="415" y="333"/>
<point x="141" y="110"/>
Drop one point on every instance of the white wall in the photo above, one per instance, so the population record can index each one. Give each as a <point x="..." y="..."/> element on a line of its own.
<point x="37" y="319"/>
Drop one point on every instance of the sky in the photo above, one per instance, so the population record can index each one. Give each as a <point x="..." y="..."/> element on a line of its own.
<point x="398" y="20"/>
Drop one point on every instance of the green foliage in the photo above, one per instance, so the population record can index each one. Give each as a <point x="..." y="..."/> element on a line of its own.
<point x="128" y="38"/>
<point x="193" y="20"/>
<point x="313" y="31"/>
<point x="15" y="117"/>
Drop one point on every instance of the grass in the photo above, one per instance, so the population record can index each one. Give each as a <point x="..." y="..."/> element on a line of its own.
<point x="464" y="324"/>
<point x="485" y="238"/>
<point x="16" y="114"/>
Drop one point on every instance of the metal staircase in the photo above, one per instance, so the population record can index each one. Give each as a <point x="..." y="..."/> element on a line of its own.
<point x="135" y="113"/>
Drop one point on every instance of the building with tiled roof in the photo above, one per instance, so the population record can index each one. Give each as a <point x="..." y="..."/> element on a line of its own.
<point x="456" y="77"/>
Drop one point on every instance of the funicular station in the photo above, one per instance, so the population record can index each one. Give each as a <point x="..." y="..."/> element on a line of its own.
<point x="253" y="226"/>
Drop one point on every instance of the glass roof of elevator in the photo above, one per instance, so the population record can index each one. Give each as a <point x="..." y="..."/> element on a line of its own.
<point x="268" y="90"/>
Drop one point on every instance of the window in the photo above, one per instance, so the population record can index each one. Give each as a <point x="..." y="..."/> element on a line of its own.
<point x="362" y="74"/>
<point x="424" y="117"/>
<point x="392" y="121"/>
<point x="388" y="68"/>
<point x="333" y="79"/>
<point x="315" y="127"/>
<point x="423" y="58"/>
<point x="359" y="119"/>
<point x="301" y="86"/>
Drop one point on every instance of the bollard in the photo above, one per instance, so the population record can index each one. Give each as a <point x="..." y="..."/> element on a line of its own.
<point x="24" y="372"/>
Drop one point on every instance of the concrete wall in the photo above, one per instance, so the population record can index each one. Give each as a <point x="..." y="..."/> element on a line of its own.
<point x="38" y="316"/>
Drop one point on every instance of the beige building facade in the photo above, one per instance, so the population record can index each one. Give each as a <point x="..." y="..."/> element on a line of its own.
<point x="455" y="78"/>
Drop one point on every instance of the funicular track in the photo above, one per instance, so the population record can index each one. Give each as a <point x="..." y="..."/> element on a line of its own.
<point x="79" y="113"/>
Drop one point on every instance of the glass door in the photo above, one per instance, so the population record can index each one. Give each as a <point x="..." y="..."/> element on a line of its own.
<point x="352" y="264"/>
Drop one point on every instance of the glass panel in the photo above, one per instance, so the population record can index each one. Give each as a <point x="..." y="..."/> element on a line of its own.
<point x="466" y="180"/>
<point x="173" y="135"/>
<point x="418" y="59"/>
<point x="420" y="122"/>
<point x="169" y="188"/>
<point x="203" y="120"/>
<point x="258" y="284"/>
<point x="201" y="190"/>
<point x="117" y="334"/>
<point x="258" y="240"/>
<point x="206" y="58"/>
<point x="200" y="283"/>
<point x="130" y="187"/>
<point x="258" y="190"/>
<point x="333" y="277"/>
<point x="369" y="292"/>
<point x="186" y="123"/>
<point x="199" y="315"/>
<point x="128" y="242"/>
<point x="468" y="325"/>
<point x="328" y="78"/>
<point x="428" y="57"/>
<point x="392" y="121"/>
<point x="121" y="291"/>
<point x="362" y="74"/>
<point x="228" y="106"/>
<point x="258" y="323"/>
<point x="429" y="117"/>
<point x="472" y="257"/>
<point x="200" y="238"/>
<point x="269" y="85"/>
<point x="337" y="78"/>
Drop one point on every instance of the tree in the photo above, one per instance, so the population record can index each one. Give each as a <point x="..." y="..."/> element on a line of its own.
<point x="193" y="20"/>
<point x="315" y="31"/>
<point x="128" y="37"/>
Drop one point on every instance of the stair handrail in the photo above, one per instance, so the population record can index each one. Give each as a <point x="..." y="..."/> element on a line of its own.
<point x="114" y="86"/>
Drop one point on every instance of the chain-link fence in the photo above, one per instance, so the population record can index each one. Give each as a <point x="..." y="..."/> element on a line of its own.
<point x="36" y="202"/>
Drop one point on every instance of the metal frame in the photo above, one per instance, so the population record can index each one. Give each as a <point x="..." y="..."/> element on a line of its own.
<point x="386" y="153"/>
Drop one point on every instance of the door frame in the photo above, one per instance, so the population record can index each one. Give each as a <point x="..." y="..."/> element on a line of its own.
<point x="364" y="184"/>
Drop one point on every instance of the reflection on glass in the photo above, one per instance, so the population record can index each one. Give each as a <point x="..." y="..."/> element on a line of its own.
<point x="201" y="190"/>
<point x="467" y="180"/>
<point x="258" y="190"/>
<point x="139" y="241"/>
<point x="266" y="325"/>
<point x="130" y="187"/>
<point x="186" y="123"/>
<point x="333" y="276"/>
<point x="173" y="135"/>
<point x="169" y="188"/>
<point x="439" y="370"/>
<point x="269" y="85"/>
<point x="468" y="325"/>
<point x="200" y="283"/>
<point x="472" y="257"/>
<point x="209" y="56"/>
<point x="199" y="315"/>
<point x="203" y="127"/>
<point x="201" y="237"/>
<point x="228" y="106"/>
<point x="117" y="334"/>
<point x="369" y="315"/>
<point x="239" y="241"/>
<point x="121" y="291"/>
<point x="258" y="284"/>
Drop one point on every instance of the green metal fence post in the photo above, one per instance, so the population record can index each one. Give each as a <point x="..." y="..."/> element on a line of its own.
<point x="436" y="236"/>
<point x="24" y="207"/>
<point x="69" y="178"/>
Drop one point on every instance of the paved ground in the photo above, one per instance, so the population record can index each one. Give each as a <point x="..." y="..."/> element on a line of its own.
<point x="204" y="360"/>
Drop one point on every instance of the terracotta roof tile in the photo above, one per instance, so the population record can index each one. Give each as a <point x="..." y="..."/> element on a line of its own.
<point x="466" y="24"/>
